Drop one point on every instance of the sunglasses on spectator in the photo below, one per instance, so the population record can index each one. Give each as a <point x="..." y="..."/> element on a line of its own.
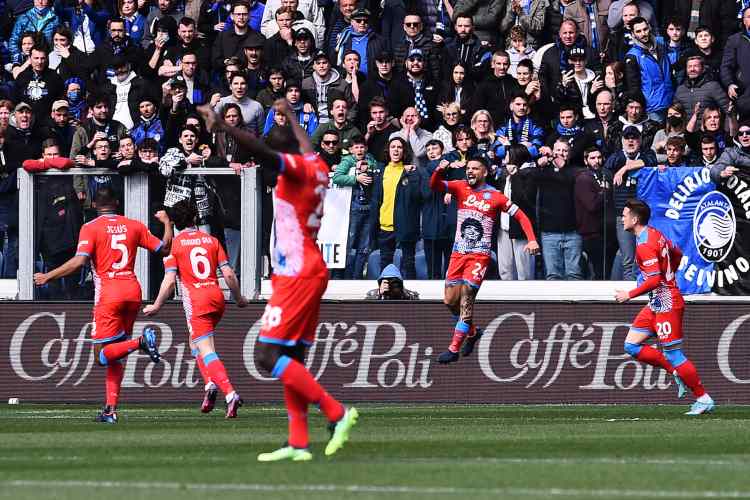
<point x="451" y="114"/>
<point x="330" y="143"/>
<point x="362" y="20"/>
<point x="412" y="25"/>
<point x="743" y="132"/>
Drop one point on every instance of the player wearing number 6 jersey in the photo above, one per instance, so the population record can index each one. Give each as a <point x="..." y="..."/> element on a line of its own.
<point x="479" y="206"/>
<point x="299" y="280"/>
<point x="195" y="257"/>
<point x="110" y="242"/>
<point x="658" y="259"/>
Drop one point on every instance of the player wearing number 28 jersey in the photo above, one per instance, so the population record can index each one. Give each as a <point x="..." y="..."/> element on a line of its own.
<point x="658" y="259"/>
<point x="111" y="242"/>
<point x="299" y="279"/>
<point x="479" y="206"/>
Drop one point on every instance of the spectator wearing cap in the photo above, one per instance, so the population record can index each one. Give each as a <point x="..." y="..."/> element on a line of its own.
<point x="339" y="109"/>
<point x="281" y="45"/>
<point x="324" y="82"/>
<point x="148" y="125"/>
<point x="65" y="59"/>
<point x="88" y="20"/>
<point x="165" y="38"/>
<point x="700" y="88"/>
<point x="555" y="59"/>
<point x="306" y="117"/>
<point x="59" y="126"/>
<point x="465" y="48"/>
<point x="255" y="68"/>
<point x="252" y="111"/>
<point x="187" y="42"/>
<point x="414" y="88"/>
<point x="735" y="67"/>
<point x="38" y="19"/>
<point x="117" y="45"/>
<point x="495" y="92"/>
<point x="310" y="10"/>
<point x="299" y="65"/>
<point x="38" y="85"/>
<point x="228" y="43"/>
<point x="24" y="130"/>
<point x="632" y="156"/>
<point x="485" y="15"/>
<point x="128" y="88"/>
<point x="575" y="84"/>
<point x="648" y="69"/>
<point x="175" y="106"/>
<point x="361" y="38"/>
<point x="529" y="15"/>
<point x="417" y="37"/>
<point x="162" y="9"/>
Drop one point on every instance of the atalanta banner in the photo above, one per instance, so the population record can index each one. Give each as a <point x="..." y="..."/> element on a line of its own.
<point x="731" y="238"/>
<point x="683" y="205"/>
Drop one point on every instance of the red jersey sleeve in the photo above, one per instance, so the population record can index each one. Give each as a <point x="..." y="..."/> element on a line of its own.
<point x="85" y="241"/>
<point x="170" y="264"/>
<point x="147" y="240"/>
<point x="297" y="167"/>
<point x="221" y="254"/>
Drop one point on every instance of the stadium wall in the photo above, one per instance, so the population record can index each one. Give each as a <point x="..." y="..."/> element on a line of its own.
<point x="385" y="351"/>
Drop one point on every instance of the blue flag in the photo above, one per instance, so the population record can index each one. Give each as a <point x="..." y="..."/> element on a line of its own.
<point x="680" y="198"/>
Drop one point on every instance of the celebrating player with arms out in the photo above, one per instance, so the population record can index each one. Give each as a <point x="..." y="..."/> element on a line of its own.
<point x="300" y="278"/>
<point x="195" y="257"/>
<point x="479" y="206"/>
<point x="111" y="241"/>
<point x="658" y="259"/>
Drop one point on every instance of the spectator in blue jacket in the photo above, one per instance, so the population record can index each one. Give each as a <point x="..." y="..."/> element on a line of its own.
<point x="648" y="68"/>
<point x="519" y="129"/>
<point x="87" y="21"/>
<point x="135" y="22"/>
<point x="39" y="19"/>
<point x="148" y="125"/>
<point x="308" y="120"/>
<point x="360" y="37"/>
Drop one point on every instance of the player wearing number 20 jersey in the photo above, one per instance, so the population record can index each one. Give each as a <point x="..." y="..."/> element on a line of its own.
<point x="658" y="259"/>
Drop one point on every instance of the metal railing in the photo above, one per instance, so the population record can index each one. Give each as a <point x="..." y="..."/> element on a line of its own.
<point x="136" y="194"/>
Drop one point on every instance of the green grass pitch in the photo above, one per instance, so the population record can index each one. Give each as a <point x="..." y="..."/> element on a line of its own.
<point x="396" y="452"/>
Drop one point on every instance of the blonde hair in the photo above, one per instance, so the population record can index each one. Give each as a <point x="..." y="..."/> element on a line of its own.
<point x="475" y="117"/>
<point x="453" y="106"/>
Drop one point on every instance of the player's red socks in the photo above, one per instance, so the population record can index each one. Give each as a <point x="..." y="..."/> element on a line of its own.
<point x="460" y="332"/>
<point x="115" y="372"/>
<point x="296" y="407"/>
<point x="689" y="375"/>
<point x="119" y="350"/>
<point x="217" y="372"/>
<point x="295" y="376"/>
<point x="654" y="357"/>
<point x="201" y="366"/>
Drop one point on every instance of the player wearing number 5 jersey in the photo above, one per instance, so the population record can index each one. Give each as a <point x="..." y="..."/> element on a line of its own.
<point x="110" y="242"/>
<point x="299" y="279"/>
<point x="195" y="258"/>
<point x="658" y="259"/>
<point x="479" y="206"/>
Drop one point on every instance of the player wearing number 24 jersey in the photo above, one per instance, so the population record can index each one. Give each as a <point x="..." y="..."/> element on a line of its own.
<point x="111" y="242"/>
<point x="195" y="257"/>
<point x="658" y="259"/>
<point x="479" y="206"/>
<point x="299" y="279"/>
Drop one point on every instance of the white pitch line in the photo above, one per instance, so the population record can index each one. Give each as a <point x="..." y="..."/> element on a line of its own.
<point x="384" y="490"/>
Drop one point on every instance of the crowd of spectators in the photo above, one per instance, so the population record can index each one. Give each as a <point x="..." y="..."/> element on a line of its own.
<point x="566" y="98"/>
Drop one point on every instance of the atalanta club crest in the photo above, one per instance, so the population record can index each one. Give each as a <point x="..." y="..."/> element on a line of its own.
<point x="714" y="227"/>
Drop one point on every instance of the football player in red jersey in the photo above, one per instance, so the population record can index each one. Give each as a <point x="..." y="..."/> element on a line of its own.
<point x="195" y="257"/>
<point x="110" y="242"/>
<point x="300" y="278"/>
<point x="479" y="206"/>
<point x="658" y="259"/>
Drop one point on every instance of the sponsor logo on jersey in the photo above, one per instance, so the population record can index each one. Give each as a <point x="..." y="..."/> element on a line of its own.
<point x="473" y="202"/>
<point x="714" y="226"/>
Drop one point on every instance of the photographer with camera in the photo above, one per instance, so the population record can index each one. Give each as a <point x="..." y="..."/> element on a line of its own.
<point x="357" y="170"/>
<point x="391" y="286"/>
